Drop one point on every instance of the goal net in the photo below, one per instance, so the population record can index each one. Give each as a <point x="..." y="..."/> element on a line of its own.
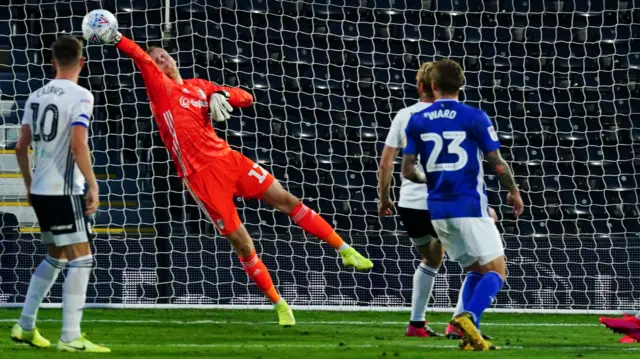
<point x="558" y="78"/>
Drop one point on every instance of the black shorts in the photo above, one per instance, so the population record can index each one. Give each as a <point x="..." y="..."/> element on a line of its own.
<point x="417" y="222"/>
<point x="61" y="219"/>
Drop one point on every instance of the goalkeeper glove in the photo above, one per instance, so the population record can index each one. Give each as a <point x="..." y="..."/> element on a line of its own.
<point x="219" y="106"/>
<point x="109" y="36"/>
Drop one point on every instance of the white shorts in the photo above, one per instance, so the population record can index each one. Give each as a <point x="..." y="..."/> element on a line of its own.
<point x="470" y="240"/>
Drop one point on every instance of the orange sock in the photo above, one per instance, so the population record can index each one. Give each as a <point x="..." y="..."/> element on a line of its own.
<point x="311" y="222"/>
<point x="258" y="272"/>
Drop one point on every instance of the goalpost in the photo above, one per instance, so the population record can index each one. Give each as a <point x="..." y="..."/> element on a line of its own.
<point x="559" y="79"/>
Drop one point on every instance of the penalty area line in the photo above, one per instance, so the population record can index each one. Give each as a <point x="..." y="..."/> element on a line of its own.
<point x="394" y="323"/>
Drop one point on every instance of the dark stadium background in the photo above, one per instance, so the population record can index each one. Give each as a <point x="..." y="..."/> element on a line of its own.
<point x="559" y="78"/>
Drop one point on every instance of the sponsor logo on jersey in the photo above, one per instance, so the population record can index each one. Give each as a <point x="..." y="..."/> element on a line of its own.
<point x="186" y="102"/>
<point x="65" y="227"/>
<point x="492" y="133"/>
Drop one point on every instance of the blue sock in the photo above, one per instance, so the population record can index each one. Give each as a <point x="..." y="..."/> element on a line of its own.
<point x="484" y="293"/>
<point x="469" y="287"/>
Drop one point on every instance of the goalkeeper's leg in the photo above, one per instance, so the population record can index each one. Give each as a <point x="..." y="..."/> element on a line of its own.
<point x="213" y="190"/>
<point x="314" y="224"/>
<point x="257" y="271"/>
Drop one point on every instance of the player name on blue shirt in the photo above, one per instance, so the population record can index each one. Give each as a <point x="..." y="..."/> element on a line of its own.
<point x="452" y="139"/>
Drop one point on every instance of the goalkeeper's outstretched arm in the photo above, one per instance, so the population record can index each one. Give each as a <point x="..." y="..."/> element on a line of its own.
<point x="223" y="99"/>
<point x="153" y="77"/>
<point x="237" y="96"/>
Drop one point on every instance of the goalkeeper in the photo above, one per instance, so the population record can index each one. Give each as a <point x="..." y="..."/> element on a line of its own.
<point x="213" y="172"/>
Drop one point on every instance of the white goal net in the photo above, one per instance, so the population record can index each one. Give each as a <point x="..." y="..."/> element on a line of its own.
<point x="560" y="79"/>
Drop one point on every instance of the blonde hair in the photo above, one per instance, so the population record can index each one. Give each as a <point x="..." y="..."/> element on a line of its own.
<point x="424" y="78"/>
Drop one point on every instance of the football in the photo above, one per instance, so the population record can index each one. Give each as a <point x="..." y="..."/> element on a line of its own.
<point x="96" y="24"/>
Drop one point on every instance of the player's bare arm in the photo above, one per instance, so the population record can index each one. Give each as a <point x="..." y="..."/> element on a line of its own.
<point x="502" y="169"/>
<point x="22" y="156"/>
<point x="410" y="171"/>
<point x="385" y="204"/>
<point x="80" y="151"/>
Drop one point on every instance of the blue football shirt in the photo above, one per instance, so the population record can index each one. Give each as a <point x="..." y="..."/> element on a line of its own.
<point x="452" y="139"/>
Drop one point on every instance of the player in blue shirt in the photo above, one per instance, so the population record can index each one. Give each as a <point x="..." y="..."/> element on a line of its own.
<point x="452" y="140"/>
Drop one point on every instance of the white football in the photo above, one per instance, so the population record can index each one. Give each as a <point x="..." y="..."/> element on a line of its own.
<point x="97" y="24"/>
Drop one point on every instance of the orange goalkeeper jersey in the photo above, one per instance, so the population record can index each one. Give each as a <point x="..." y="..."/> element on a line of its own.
<point x="182" y="112"/>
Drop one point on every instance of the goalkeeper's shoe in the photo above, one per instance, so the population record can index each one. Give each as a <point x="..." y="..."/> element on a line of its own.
<point x="31" y="337"/>
<point x="464" y="323"/>
<point x="83" y="345"/>
<point x="421" y="332"/>
<point x="285" y="315"/>
<point x="351" y="258"/>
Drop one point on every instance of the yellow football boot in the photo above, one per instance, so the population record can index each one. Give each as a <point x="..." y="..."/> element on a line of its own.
<point x="464" y="323"/>
<point x="31" y="337"/>
<point x="351" y="258"/>
<point x="285" y="315"/>
<point x="83" y="345"/>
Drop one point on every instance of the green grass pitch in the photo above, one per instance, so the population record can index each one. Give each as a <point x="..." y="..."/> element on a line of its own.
<point x="254" y="334"/>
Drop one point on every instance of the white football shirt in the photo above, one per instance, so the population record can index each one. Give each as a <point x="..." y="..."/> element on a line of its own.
<point x="412" y="195"/>
<point x="51" y="111"/>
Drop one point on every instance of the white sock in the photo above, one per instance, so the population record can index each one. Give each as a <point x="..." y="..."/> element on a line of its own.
<point x="41" y="281"/>
<point x="460" y="305"/>
<point x="423" y="280"/>
<point x="343" y="247"/>
<point x="74" y="293"/>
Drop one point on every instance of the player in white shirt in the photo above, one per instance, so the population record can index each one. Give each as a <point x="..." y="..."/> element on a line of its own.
<point x="56" y="125"/>
<point x="412" y="208"/>
<point x="414" y="213"/>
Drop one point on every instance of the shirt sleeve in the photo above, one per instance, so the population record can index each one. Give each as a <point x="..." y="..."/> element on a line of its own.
<point x="395" y="135"/>
<point x="237" y="96"/>
<point x="154" y="78"/>
<point x="82" y="110"/>
<point x="484" y="133"/>
<point x="411" y="143"/>
<point x="27" y="115"/>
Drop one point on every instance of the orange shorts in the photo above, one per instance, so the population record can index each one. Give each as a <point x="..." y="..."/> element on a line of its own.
<point x="215" y="187"/>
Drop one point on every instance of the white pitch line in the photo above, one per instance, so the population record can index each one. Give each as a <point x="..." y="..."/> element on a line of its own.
<point x="386" y="346"/>
<point x="373" y="323"/>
